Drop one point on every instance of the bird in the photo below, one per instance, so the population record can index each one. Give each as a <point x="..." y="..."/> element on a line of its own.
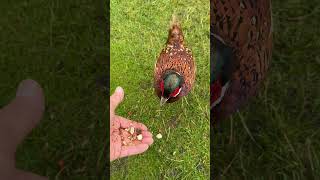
<point x="175" y="68"/>
<point x="240" y="53"/>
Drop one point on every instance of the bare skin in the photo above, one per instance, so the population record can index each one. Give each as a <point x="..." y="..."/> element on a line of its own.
<point x="17" y="119"/>
<point x="118" y="134"/>
<point x="25" y="111"/>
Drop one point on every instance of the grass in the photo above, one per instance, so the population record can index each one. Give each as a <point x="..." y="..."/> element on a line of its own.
<point x="277" y="136"/>
<point x="138" y="33"/>
<point x="61" y="44"/>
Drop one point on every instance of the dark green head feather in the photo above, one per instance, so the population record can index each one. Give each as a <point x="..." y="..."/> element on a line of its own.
<point x="221" y="63"/>
<point x="172" y="81"/>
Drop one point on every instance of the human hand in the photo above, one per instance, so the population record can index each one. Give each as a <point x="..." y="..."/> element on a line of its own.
<point x="118" y="134"/>
<point x="17" y="119"/>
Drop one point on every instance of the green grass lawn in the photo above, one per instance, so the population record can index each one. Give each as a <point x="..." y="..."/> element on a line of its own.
<point x="61" y="44"/>
<point x="278" y="135"/>
<point x="139" y="30"/>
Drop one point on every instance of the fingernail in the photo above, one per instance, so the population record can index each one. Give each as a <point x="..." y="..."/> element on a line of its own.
<point x="119" y="90"/>
<point x="28" y="88"/>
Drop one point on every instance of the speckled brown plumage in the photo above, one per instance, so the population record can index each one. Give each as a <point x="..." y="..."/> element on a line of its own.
<point x="246" y="27"/>
<point x="178" y="58"/>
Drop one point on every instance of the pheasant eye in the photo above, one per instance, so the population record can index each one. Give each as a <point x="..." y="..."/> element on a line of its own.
<point x="176" y="92"/>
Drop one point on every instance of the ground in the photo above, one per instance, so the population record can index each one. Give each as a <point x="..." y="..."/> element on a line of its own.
<point x="139" y="30"/>
<point x="60" y="44"/>
<point x="277" y="136"/>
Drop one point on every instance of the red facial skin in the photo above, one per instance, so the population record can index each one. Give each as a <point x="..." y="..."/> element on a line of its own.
<point x="175" y="92"/>
<point x="215" y="91"/>
<point x="162" y="87"/>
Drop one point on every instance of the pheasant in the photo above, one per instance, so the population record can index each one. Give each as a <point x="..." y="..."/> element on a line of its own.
<point x="175" y="69"/>
<point x="241" y="48"/>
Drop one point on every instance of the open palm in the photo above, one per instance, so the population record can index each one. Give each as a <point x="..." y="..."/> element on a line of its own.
<point x="118" y="134"/>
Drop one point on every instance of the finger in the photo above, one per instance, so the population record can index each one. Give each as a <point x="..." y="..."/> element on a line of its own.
<point x="146" y="134"/>
<point x="22" y="114"/>
<point x="147" y="140"/>
<point x="116" y="98"/>
<point x="125" y="123"/>
<point x="133" y="150"/>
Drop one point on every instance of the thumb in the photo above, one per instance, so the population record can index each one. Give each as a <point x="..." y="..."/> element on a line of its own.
<point x="23" y="113"/>
<point x="116" y="98"/>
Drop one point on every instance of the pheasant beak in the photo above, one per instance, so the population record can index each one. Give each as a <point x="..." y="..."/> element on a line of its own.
<point x="163" y="101"/>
